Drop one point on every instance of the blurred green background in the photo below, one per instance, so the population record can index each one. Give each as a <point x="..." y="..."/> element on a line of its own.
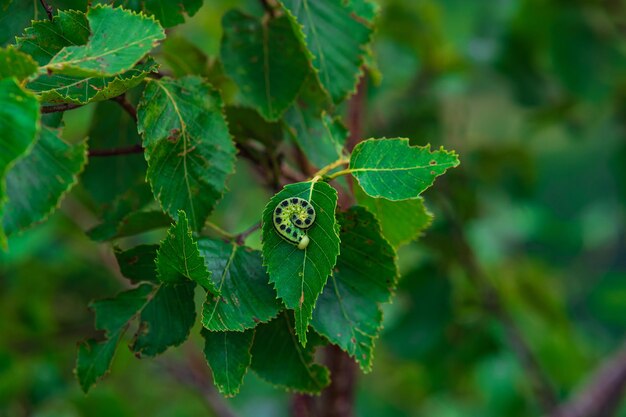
<point x="530" y="93"/>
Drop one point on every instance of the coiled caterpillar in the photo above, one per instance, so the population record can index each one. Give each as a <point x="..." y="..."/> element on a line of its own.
<point x="292" y="217"/>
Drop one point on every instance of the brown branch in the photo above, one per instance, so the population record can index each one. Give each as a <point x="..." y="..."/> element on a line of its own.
<point x="541" y="384"/>
<point x="241" y="237"/>
<point x="126" y="105"/>
<point x="47" y="7"/>
<point x="56" y="108"/>
<point x="338" y="399"/>
<point x="127" y="150"/>
<point x="603" y="392"/>
<point x="356" y="113"/>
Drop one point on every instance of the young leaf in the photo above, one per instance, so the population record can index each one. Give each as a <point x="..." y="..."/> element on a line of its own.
<point x="228" y="355"/>
<point x="189" y="151"/>
<point x="245" y="297"/>
<point x="36" y="184"/>
<point x="112" y="315"/>
<point x="14" y="63"/>
<point x="265" y="59"/>
<point x="400" y="221"/>
<point x="335" y="39"/>
<point x="138" y="263"/>
<point x="19" y="123"/>
<point x="179" y="255"/>
<point x="321" y="137"/>
<point x="119" y="39"/>
<point x="278" y="358"/>
<point x="392" y="169"/>
<point x="300" y="275"/>
<point x="348" y="311"/>
<point x="167" y="318"/>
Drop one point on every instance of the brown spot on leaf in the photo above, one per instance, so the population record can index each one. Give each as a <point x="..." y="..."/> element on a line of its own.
<point x="133" y="260"/>
<point x="174" y="135"/>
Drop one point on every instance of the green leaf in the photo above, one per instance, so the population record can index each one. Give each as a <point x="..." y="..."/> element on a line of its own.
<point x="246" y="124"/>
<point x="36" y="184"/>
<point x="14" y="63"/>
<point x="189" y="151"/>
<point x="138" y="263"/>
<point x="400" y="221"/>
<point x="348" y="311"/>
<point x="265" y="59"/>
<point x="167" y="319"/>
<point x="119" y="39"/>
<point x="19" y="123"/>
<point x="113" y="316"/>
<point x="392" y="169"/>
<point x="168" y="12"/>
<point x="300" y="275"/>
<point x="278" y="358"/>
<point x="335" y="39"/>
<point x="179" y="255"/>
<point x="321" y="137"/>
<point x="132" y="224"/>
<point x="228" y="355"/>
<point x="245" y="297"/>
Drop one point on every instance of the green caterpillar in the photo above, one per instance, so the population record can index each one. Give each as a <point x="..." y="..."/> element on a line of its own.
<point x="292" y="217"/>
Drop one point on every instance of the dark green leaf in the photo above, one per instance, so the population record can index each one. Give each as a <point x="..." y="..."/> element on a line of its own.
<point x="300" y="275"/>
<point x="335" y="39"/>
<point x="278" y="358"/>
<point x="348" y="311"/>
<point x="265" y="59"/>
<point x="168" y="12"/>
<point x="245" y="296"/>
<point x="14" y="63"/>
<point x="228" y="355"/>
<point x="189" y="150"/>
<point x="179" y="255"/>
<point x="134" y="223"/>
<point x="392" y="169"/>
<point x="112" y="315"/>
<point x="400" y="221"/>
<point x="19" y="123"/>
<point x="138" y="263"/>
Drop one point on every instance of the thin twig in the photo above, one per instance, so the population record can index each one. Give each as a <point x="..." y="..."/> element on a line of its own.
<point x="241" y="237"/>
<point x="48" y="8"/>
<point x="268" y="8"/>
<point x="126" y="105"/>
<point x="603" y="392"/>
<point x="338" y="399"/>
<point x="56" y="108"/>
<point x="127" y="150"/>
<point x="221" y="232"/>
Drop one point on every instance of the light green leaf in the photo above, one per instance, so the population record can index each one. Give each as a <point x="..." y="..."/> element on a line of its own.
<point x="400" y="221"/>
<point x="228" y="355"/>
<point x="179" y="255"/>
<point x="168" y="12"/>
<point x="278" y="358"/>
<point x="320" y="136"/>
<point x="138" y="263"/>
<point x="113" y="316"/>
<point x="14" y="63"/>
<point x="36" y="184"/>
<point x="392" y="169"/>
<point x="19" y="124"/>
<point x="119" y="39"/>
<point x="245" y="296"/>
<point x="335" y="39"/>
<point x="265" y="59"/>
<point x="348" y="311"/>
<point x="167" y="319"/>
<point x="300" y="275"/>
<point x="189" y="151"/>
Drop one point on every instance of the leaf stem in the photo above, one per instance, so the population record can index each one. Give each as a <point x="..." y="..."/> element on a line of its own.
<point x="126" y="105"/>
<point x="127" y="150"/>
<point x="223" y="233"/>
<point x="56" y="108"/>
<point x="341" y="161"/>
<point x="47" y="7"/>
<point x="268" y="8"/>
<point x="339" y="173"/>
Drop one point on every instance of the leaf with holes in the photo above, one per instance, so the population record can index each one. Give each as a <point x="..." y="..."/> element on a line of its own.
<point x="189" y="150"/>
<point x="265" y="59"/>
<point x="348" y="311"/>
<point x="336" y="41"/>
<point x="179" y="255"/>
<point x="245" y="297"/>
<point x="278" y="358"/>
<point x="392" y="169"/>
<point x="300" y="275"/>
<point x="36" y="184"/>
<point x="228" y="355"/>
<point x="400" y="221"/>
<point x="19" y="124"/>
<point x="118" y="40"/>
